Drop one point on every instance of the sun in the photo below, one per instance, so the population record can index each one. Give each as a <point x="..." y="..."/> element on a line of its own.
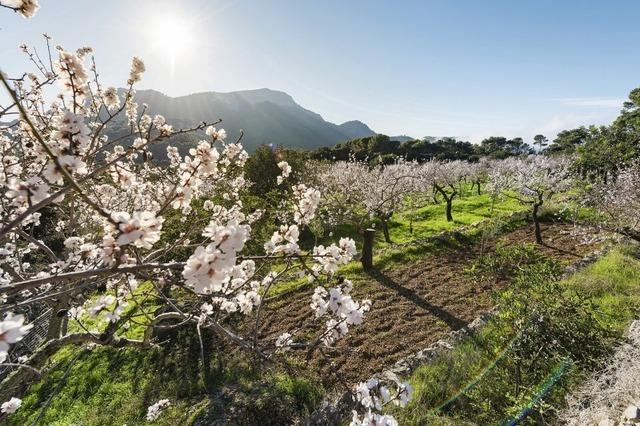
<point x="172" y="37"/>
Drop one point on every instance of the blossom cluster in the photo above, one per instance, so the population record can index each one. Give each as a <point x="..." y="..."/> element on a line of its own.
<point x="337" y="304"/>
<point x="154" y="410"/>
<point x="374" y="394"/>
<point x="12" y="329"/>
<point x="26" y="8"/>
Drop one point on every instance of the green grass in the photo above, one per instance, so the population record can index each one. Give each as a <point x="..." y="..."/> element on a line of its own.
<point x="428" y="221"/>
<point x="103" y="381"/>
<point x="105" y="384"/>
<point x="479" y="373"/>
<point x="141" y="301"/>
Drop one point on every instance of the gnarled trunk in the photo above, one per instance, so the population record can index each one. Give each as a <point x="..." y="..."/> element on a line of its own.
<point x="385" y="230"/>
<point x="449" y="206"/>
<point x="536" y="222"/>
<point x="449" y="200"/>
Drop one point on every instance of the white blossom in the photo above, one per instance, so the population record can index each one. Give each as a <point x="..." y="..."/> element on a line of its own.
<point x="11" y="406"/>
<point x="154" y="410"/>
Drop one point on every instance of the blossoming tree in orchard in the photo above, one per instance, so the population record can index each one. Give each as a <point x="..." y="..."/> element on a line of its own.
<point x="83" y="225"/>
<point x="385" y="188"/>
<point x="420" y="190"/>
<point x="619" y="201"/>
<point x="353" y="191"/>
<point x="532" y="181"/>
<point x="479" y="173"/>
<point x="447" y="176"/>
<point x="342" y="196"/>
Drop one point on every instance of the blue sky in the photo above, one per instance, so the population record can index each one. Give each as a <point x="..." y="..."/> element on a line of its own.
<point x="464" y="68"/>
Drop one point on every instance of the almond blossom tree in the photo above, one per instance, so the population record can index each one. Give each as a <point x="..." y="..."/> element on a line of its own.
<point x="84" y="225"/>
<point x="479" y="173"/>
<point x="446" y="180"/>
<point x="385" y="188"/>
<point x="619" y="200"/>
<point x="354" y="191"/>
<point x="532" y="181"/>
<point x="342" y="192"/>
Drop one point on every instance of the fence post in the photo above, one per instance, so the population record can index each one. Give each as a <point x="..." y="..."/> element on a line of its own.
<point x="367" y="248"/>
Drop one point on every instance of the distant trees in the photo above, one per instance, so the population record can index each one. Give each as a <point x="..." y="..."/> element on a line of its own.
<point x="568" y="141"/>
<point x="380" y="149"/>
<point x="541" y="141"/>
<point x="445" y="149"/>
<point x="368" y="148"/>
<point x="499" y="147"/>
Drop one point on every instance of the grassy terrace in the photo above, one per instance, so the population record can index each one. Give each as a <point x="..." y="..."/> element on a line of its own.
<point x="495" y="377"/>
<point x="89" y="385"/>
<point x="426" y="221"/>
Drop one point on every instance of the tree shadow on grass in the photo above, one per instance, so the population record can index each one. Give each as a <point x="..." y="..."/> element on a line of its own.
<point x="451" y="320"/>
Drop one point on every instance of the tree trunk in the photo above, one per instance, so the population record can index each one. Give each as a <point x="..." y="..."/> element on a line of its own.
<point x="385" y="231"/>
<point x="478" y="183"/>
<point x="65" y="326"/>
<point x="536" y="223"/>
<point x="449" y="204"/>
<point x="629" y="232"/>
<point x="449" y="199"/>
<point x="58" y="313"/>
<point x="367" y="249"/>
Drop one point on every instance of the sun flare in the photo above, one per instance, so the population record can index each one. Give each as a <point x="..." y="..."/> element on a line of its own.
<point x="171" y="36"/>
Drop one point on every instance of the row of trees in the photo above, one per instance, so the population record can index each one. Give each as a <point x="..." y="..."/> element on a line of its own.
<point x="356" y="192"/>
<point x="353" y="191"/>
<point x="381" y="149"/>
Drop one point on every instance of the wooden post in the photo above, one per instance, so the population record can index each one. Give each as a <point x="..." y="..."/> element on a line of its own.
<point x="367" y="248"/>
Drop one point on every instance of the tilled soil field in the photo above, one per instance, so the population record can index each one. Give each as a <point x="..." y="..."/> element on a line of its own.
<point x="414" y="305"/>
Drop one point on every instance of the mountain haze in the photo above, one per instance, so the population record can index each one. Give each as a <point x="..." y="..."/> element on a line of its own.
<point x="266" y="116"/>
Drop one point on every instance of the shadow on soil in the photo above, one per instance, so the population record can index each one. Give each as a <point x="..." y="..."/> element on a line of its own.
<point x="451" y="320"/>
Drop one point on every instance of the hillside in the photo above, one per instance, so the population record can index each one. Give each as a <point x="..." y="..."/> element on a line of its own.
<point x="266" y="116"/>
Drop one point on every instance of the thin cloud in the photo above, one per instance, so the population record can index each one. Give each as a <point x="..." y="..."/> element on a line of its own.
<point x="591" y="102"/>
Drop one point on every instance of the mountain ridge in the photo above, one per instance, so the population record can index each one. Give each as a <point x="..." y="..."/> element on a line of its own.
<point x="265" y="116"/>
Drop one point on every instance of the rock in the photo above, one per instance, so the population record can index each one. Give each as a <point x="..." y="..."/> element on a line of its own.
<point x="631" y="413"/>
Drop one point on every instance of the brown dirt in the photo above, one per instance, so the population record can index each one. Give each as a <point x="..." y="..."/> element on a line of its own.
<point x="413" y="305"/>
